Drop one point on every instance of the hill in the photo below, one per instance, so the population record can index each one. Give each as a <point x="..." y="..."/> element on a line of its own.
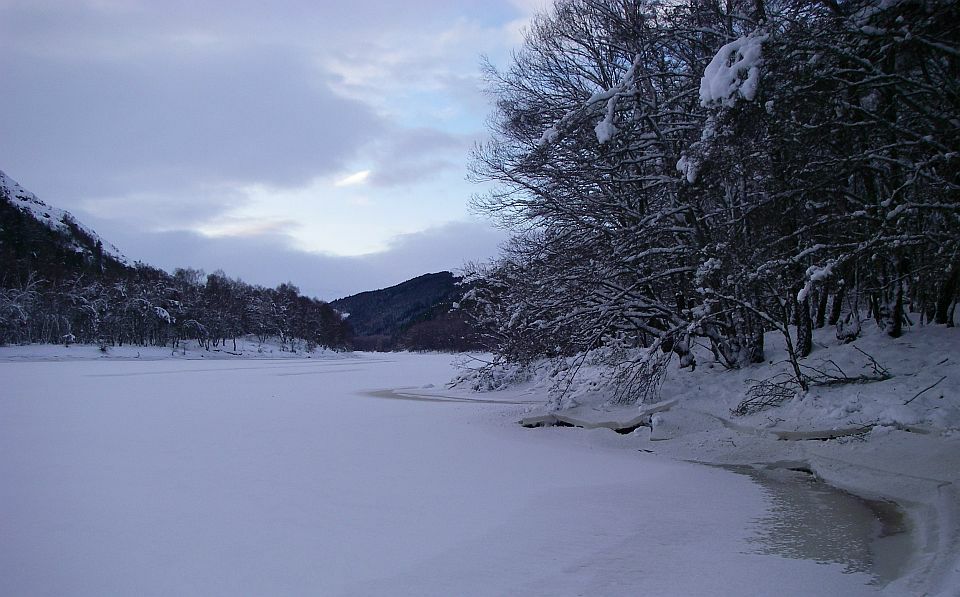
<point x="39" y="238"/>
<point x="414" y="315"/>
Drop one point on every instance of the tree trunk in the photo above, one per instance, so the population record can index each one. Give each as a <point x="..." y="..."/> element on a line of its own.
<point x="895" y="325"/>
<point x="804" y="326"/>
<point x="878" y="309"/>
<point x="756" y="348"/>
<point x="759" y="11"/>
<point x="948" y="291"/>
<point x="837" y="307"/>
<point x="821" y="308"/>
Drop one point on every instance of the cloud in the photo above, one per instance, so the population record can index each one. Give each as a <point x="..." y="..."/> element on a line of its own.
<point x="269" y="259"/>
<point x="121" y="104"/>
<point x="422" y="79"/>
<point x="409" y="156"/>
<point x="247" y="227"/>
<point x="176" y="208"/>
<point x="444" y="247"/>
<point x="405" y="172"/>
<point x="353" y="179"/>
<point x="251" y="116"/>
<point x="529" y="8"/>
<point x="214" y="132"/>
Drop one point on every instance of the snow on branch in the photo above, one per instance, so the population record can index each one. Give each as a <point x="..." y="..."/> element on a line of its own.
<point x="734" y="72"/>
<point x="816" y="274"/>
<point x="605" y="129"/>
<point x="689" y="166"/>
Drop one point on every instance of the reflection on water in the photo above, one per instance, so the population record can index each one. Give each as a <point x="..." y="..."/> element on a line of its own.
<point x="812" y="521"/>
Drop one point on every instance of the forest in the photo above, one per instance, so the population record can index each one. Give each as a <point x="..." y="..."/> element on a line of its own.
<point x="149" y="307"/>
<point x="708" y="171"/>
<point x="58" y="284"/>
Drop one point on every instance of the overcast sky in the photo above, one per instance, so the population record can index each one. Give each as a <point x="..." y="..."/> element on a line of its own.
<point x="319" y="142"/>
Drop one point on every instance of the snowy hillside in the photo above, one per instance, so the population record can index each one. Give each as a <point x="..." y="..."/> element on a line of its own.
<point x="82" y="238"/>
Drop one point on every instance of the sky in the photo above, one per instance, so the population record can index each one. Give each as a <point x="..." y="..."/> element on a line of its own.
<point x="323" y="143"/>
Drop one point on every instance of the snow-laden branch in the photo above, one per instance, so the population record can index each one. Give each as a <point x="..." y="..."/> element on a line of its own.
<point x="605" y="129"/>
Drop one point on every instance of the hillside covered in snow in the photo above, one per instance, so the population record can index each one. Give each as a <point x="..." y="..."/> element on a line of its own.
<point x="48" y="241"/>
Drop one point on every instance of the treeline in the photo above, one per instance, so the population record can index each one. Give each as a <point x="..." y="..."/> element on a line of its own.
<point x="702" y="171"/>
<point x="149" y="307"/>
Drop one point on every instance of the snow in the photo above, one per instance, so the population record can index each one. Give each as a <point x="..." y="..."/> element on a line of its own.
<point x="897" y="439"/>
<point x="163" y="314"/>
<point x="815" y="274"/>
<point x="689" y="167"/>
<point x="605" y="131"/>
<point x="353" y="476"/>
<point x="734" y="71"/>
<point x="52" y="217"/>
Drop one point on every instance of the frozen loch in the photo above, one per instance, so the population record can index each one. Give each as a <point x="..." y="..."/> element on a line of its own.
<point x="317" y="477"/>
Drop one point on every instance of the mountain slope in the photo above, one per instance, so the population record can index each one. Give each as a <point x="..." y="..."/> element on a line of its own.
<point x="414" y="314"/>
<point x="41" y="239"/>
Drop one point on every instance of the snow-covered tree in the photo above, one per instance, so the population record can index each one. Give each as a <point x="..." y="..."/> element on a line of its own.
<point x="698" y="170"/>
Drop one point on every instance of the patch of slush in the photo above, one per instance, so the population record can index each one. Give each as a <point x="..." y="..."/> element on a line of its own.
<point x="809" y="520"/>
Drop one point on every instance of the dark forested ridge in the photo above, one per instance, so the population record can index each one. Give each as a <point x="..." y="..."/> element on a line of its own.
<point x="61" y="283"/>
<point x="385" y="311"/>
<point x="416" y="315"/>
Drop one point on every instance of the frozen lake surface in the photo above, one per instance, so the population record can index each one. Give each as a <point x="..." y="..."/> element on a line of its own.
<point x="309" y="477"/>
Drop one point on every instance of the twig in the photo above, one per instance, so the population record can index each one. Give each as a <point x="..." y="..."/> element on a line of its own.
<point x="472" y="357"/>
<point x="764" y="394"/>
<point x="823" y="377"/>
<point x="842" y="372"/>
<point x="878" y="369"/>
<point x="924" y="390"/>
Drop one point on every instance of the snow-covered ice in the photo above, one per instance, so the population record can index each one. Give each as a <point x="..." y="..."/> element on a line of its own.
<point x="306" y="477"/>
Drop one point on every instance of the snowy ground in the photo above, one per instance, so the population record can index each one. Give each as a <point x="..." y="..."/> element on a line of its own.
<point x="899" y="439"/>
<point x="357" y="476"/>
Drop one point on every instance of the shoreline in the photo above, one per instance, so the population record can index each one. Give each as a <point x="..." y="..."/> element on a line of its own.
<point x="850" y="464"/>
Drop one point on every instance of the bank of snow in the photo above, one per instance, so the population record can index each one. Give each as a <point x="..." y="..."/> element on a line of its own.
<point x="897" y="439"/>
